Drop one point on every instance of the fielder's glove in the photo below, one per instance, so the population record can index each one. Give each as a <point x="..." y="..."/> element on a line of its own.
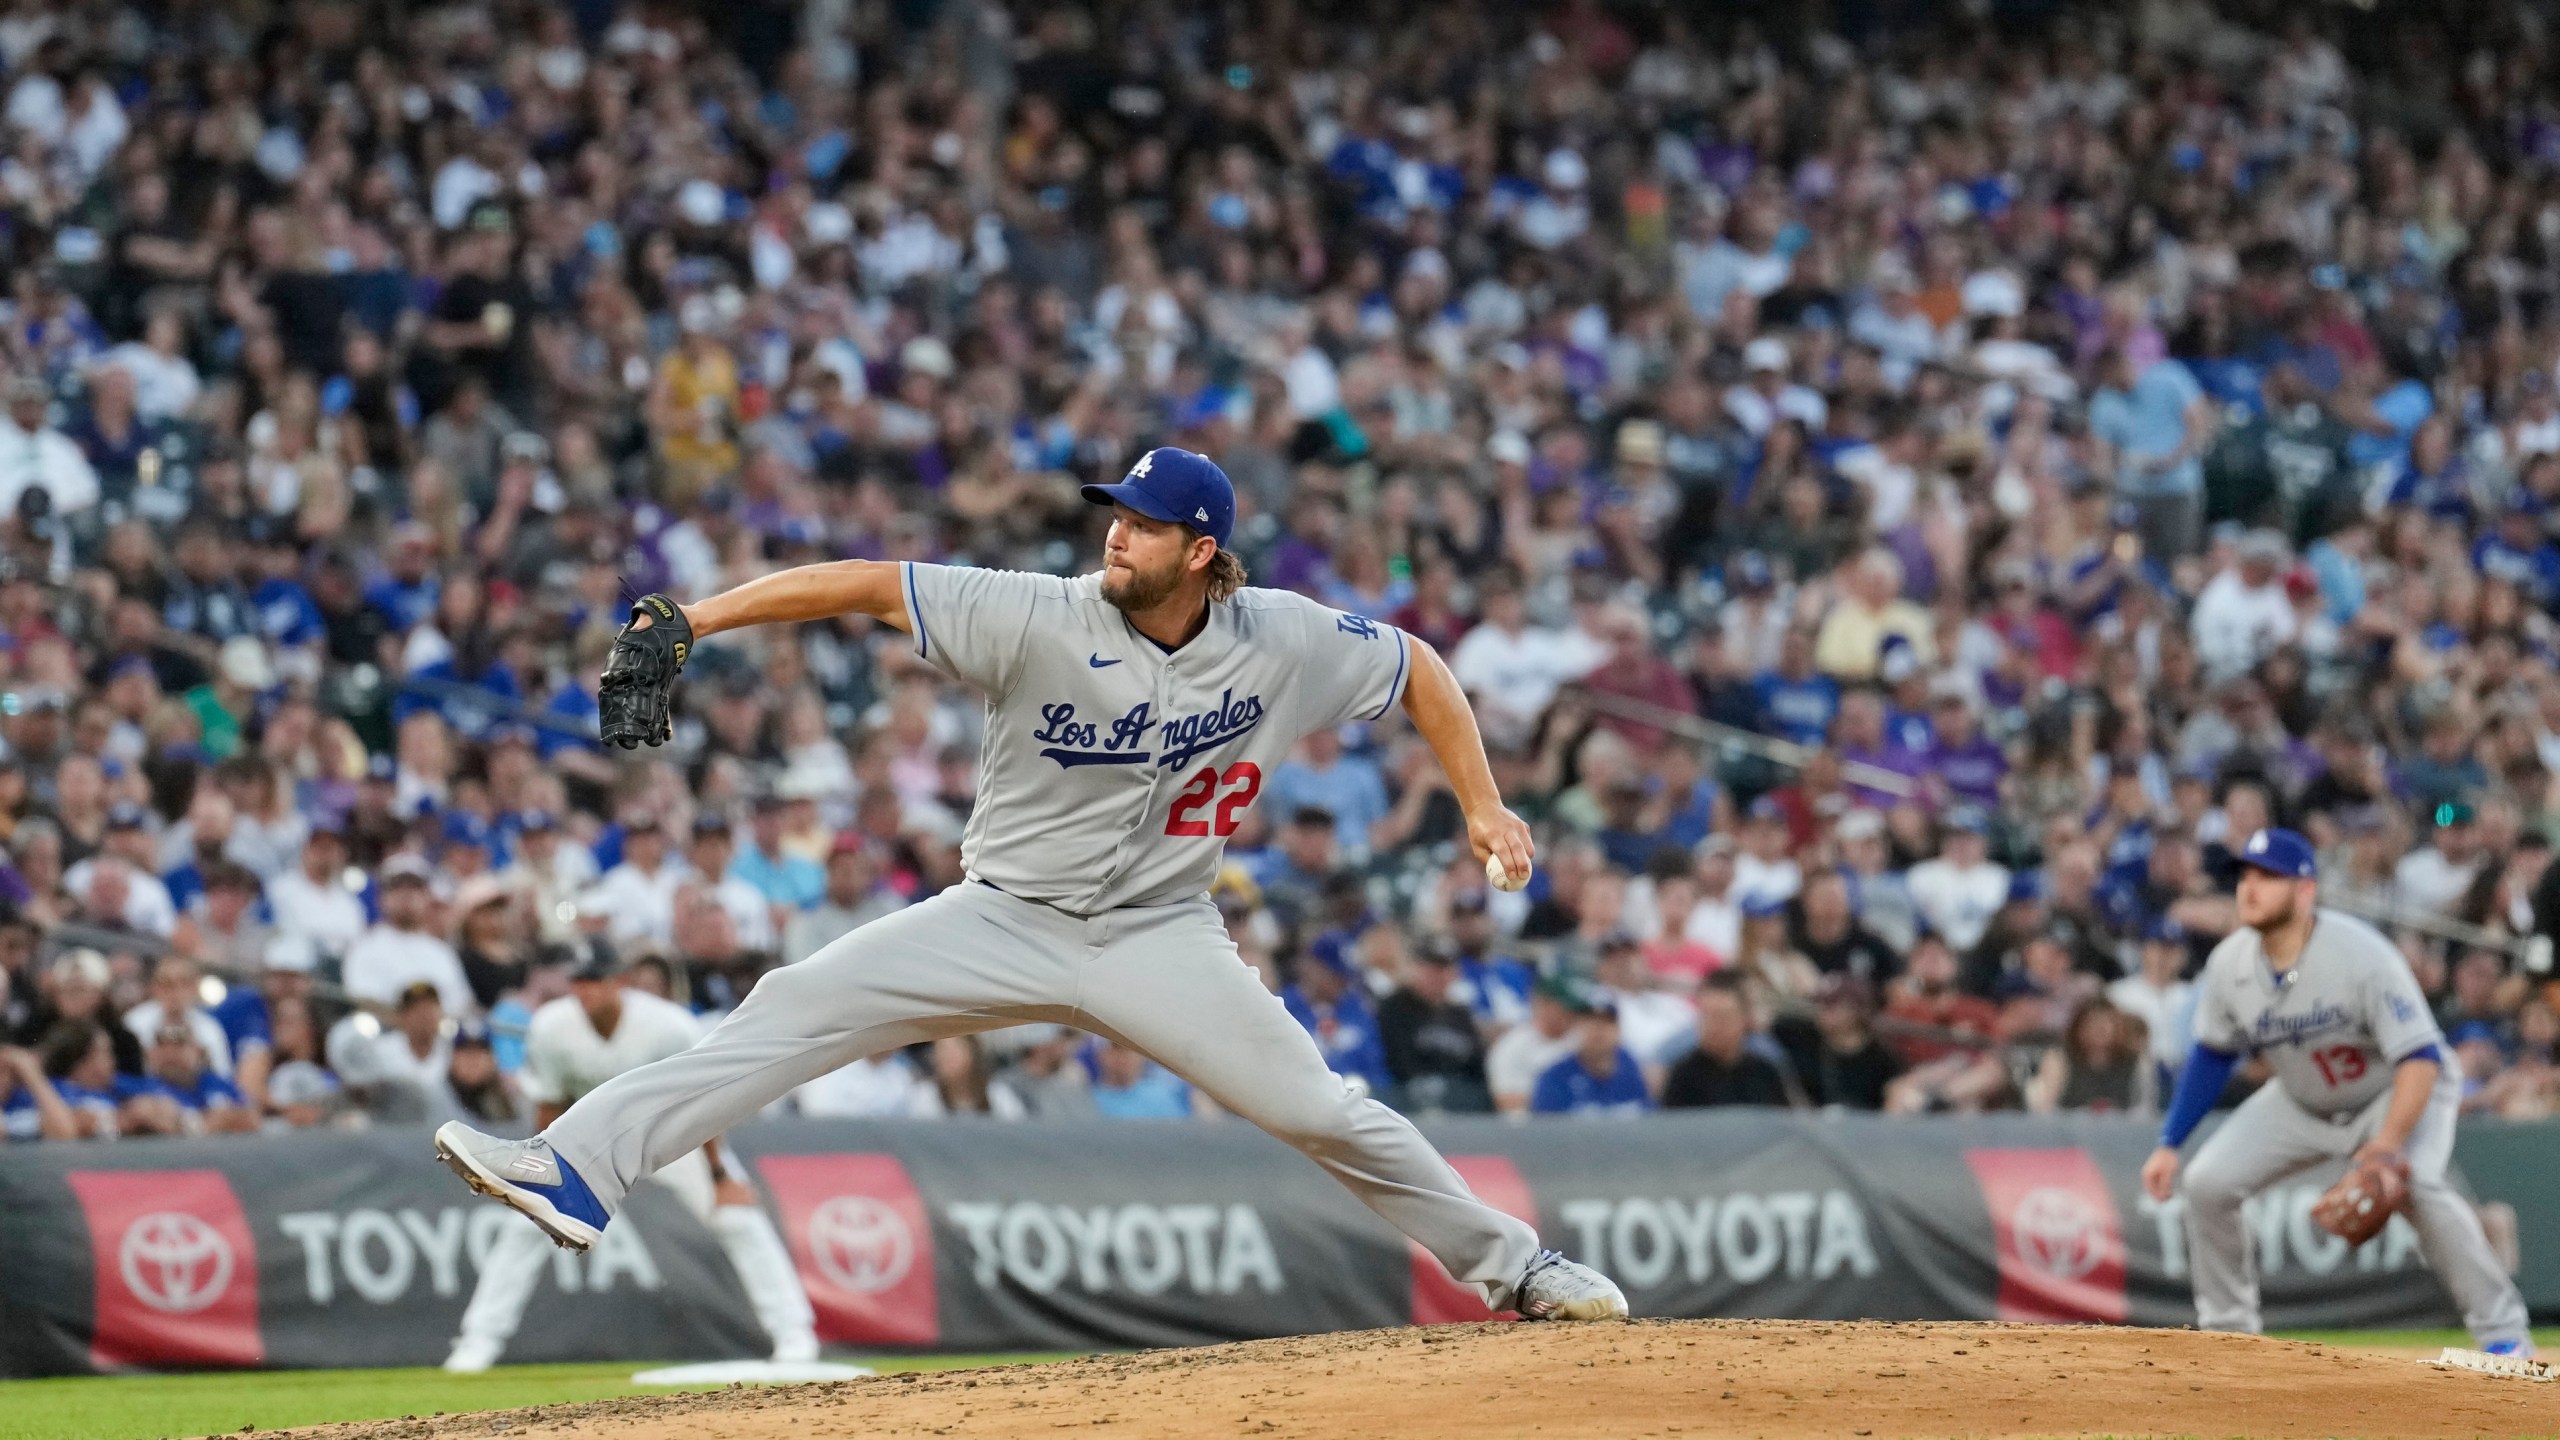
<point x="2365" y="1198"/>
<point x="635" y="703"/>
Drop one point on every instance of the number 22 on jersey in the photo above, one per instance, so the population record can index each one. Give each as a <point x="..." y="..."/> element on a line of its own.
<point x="1241" y="782"/>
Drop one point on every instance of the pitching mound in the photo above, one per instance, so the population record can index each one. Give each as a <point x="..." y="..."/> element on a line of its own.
<point x="1471" y="1382"/>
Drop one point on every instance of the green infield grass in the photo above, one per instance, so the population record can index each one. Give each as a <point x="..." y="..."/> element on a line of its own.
<point x="143" y="1407"/>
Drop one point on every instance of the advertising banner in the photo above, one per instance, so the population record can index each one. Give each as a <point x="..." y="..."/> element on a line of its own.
<point x="357" y="1250"/>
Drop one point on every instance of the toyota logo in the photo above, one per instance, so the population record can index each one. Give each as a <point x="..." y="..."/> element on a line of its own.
<point x="860" y="1244"/>
<point x="2059" y="1232"/>
<point x="174" y="1262"/>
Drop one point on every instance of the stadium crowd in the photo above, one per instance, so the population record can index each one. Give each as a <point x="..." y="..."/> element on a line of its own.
<point x="1904" y="496"/>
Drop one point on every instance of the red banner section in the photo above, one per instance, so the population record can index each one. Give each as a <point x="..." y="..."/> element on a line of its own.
<point x="1439" y="1300"/>
<point x="2053" y="1221"/>
<point x="858" y="1229"/>
<point x="176" y="1271"/>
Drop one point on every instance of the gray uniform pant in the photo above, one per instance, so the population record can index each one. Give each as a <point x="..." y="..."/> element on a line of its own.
<point x="1164" y="978"/>
<point x="2270" y="1137"/>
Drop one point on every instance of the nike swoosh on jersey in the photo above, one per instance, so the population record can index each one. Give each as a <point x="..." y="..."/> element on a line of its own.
<point x="1097" y="662"/>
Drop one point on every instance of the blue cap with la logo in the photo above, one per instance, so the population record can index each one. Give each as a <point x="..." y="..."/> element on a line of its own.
<point x="1176" y="487"/>
<point x="2280" y="852"/>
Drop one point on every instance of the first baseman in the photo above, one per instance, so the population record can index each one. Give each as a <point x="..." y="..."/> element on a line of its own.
<point x="1132" y="716"/>
<point x="2360" y="1070"/>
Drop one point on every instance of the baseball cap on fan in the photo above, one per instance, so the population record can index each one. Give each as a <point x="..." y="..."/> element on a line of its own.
<point x="2280" y="852"/>
<point x="1176" y="487"/>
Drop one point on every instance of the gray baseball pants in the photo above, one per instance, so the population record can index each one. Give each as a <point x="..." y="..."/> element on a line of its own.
<point x="2270" y="1137"/>
<point x="1165" y="979"/>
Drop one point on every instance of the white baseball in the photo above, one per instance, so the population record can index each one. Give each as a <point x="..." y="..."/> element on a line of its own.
<point x="1500" y="877"/>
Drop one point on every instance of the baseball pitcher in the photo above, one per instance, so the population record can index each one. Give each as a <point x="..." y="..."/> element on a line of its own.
<point x="1132" y="716"/>
<point x="573" y="1045"/>
<point x="2359" y="1070"/>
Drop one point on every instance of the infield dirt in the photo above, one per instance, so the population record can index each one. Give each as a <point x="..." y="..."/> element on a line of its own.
<point x="1607" y="1382"/>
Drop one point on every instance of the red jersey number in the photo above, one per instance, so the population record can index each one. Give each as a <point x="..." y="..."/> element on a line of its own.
<point x="1243" y="782"/>
<point x="2339" y="1064"/>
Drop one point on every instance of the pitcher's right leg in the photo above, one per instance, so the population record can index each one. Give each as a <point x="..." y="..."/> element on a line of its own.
<point x="1173" y="986"/>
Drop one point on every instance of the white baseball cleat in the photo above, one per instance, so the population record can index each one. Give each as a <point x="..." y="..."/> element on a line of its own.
<point x="528" y="1176"/>
<point x="472" y="1354"/>
<point x="1559" y="1289"/>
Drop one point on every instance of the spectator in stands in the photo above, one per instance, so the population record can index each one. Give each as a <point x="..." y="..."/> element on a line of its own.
<point x="105" y="1103"/>
<point x="1597" y="1076"/>
<point x="207" y="1103"/>
<point x="75" y="988"/>
<point x="301" y="1091"/>
<point x="1943" y="1036"/>
<point x="960" y="1082"/>
<point x="397" y="1070"/>
<point x="475" y="1088"/>
<point x="177" y="999"/>
<point x="391" y="959"/>
<point x="791" y="883"/>
<point x="1957" y="892"/>
<point x="1522" y="1055"/>
<point x="489" y="938"/>
<point x="874" y="1087"/>
<point x="1435" y="1054"/>
<point x="2159" y="997"/>
<point x="1044" y="1077"/>
<point x="1850" y="1067"/>
<point x="312" y="899"/>
<point x="1823" y="927"/>
<point x="1129" y="1086"/>
<point x="1722" y="1070"/>
<point x="30" y="1108"/>
<point x="1327" y="999"/>
<point x="638" y="896"/>
<point x="2102" y="1063"/>
<point x="854" y="895"/>
<point x="221" y="927"/>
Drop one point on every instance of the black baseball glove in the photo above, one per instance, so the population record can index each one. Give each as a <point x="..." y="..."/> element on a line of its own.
<point x="635" y="703"/>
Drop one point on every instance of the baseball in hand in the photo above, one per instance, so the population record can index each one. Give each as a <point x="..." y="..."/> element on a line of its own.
<point x="1500" y="877"/>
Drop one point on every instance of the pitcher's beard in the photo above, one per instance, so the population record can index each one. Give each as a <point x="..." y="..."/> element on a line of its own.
<point x="1141" y="592"/>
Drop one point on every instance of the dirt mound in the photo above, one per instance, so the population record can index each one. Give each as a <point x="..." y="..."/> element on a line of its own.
<point x="1607" y="1382"/>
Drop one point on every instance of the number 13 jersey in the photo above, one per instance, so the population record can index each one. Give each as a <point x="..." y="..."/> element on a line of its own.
<point x="2334" y="1026"/>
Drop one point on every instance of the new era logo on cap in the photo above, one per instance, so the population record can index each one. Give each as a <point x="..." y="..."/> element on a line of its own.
<point x="1201" y="514"/>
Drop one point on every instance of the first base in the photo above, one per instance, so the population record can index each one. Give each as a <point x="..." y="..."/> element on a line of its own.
<point x="2514" y="1367"/>
<point x="751" y="1372"/>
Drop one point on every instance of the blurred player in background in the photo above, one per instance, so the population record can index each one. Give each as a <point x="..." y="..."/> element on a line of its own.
<point x="2360" y="1070"/>
<point x="575" y="1043"/>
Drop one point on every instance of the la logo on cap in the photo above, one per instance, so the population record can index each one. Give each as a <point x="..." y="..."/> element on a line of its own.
<point x="2258" y="843"/>
<point x="1145" y="463"/>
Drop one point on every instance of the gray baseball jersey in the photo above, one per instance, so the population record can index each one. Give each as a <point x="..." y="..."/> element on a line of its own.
<point x="1113" y="770"/>
<point x="2333" y="1027"/>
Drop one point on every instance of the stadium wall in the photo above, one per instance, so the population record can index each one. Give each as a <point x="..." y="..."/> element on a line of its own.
<point x="320" y="1250"/>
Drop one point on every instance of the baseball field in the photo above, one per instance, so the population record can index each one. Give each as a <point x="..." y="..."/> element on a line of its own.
<point x="1651" y="1378"/>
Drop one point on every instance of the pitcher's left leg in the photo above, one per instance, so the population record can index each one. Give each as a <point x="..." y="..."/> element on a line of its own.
<point x="1172" y="985"/>
<point x="2450" y="1238"/>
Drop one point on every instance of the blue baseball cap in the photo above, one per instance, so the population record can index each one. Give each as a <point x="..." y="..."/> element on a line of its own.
<point x="1178" y="488"/>
<point x="2280" y="852"/>
<point x="2164" y="931"/>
